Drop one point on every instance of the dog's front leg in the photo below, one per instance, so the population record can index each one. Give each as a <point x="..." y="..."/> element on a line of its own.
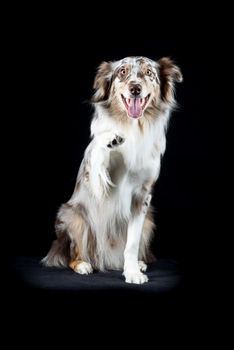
<point x="132" y="271"/>
<point x="99" y="179"/>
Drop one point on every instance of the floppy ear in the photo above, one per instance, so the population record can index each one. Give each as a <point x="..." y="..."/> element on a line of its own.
<point x="102" y="82"/>
<point x="169" y="73"/>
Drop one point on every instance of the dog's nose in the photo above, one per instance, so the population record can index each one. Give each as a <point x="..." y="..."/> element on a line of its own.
<point x="135" y="89"/>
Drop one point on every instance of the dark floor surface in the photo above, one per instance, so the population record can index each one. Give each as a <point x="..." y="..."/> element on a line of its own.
<point x="59" y="300"/>
<point x="35" y="283"/>
<point x="164" y="276"/>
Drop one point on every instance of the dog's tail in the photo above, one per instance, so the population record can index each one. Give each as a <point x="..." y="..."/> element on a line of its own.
<point x="59" y="253"/>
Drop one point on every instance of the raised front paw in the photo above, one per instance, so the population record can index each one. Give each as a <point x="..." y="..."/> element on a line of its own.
<point x="136" y="277"/>
<point x="115" y="141"/>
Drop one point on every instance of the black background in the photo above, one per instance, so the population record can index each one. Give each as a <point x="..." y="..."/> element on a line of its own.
<point x="51" y="131"/>
<point x="50" y="70"/>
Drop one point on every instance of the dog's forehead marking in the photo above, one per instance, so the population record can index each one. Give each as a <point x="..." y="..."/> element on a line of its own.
<point x="135" y="63"/>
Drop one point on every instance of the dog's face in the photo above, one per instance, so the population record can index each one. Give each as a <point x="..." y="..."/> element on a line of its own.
<point x="134" y="86"/>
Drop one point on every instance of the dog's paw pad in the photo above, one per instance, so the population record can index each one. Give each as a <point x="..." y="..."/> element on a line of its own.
<point x="83" y="268"/>
<point x="116" y="141"/>
<point x="142" y="266"/>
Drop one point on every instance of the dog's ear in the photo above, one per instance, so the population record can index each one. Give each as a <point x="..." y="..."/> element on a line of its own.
<point x="102" y="82"/>
<point x="169" y="73"/>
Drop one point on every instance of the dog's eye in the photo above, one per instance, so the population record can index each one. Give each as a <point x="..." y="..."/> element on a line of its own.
<point x="149" y="72"/>
<point x="122" y="71"/>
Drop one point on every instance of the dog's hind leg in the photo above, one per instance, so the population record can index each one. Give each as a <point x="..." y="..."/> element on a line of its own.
<point x="82" y="247"/>
<point x="79" y="250"/>
<point x="72" y="224"/>
<point x="82" y="267"/>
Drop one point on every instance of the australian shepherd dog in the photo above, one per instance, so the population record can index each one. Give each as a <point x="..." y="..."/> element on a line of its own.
<point x="108" y="222"/>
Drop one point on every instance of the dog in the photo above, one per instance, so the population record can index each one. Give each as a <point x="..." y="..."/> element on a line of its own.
<point x="108" y="222"/>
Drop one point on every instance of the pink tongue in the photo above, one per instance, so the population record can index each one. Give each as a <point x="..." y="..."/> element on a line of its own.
<point x="134" y="108"/>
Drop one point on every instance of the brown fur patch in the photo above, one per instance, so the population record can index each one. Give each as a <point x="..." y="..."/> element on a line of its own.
<point x="80" y="210"/>
<point x="168" y="73"/>
<point x="92" y="247"/>
<point x="148" y="229"/>
<point x="123" y="76"/>
<point x="102" y="82"/>
<point x="141" y="125"/>
<point x="112" y="242"/>
<point x="117" y="112"/>
<point x="154" y="107"/>
<point x="137" y="202"/>
<point x="148" y="185"/>
<point x="139" y="198"/>
<point x="140" y="74"/>
<point x="58" y="254"/>
<point x="86" y="176"/>
<point x="72" y="222"/>
<point x="141" y="60"/>
<point x="77" y="186"/>
<point x="74" y="263"/>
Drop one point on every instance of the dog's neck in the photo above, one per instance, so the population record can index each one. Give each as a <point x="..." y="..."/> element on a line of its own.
<point x="142" y="128"/>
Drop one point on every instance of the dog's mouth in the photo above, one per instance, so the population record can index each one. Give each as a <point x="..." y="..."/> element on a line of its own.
<point x="135" y="106"/>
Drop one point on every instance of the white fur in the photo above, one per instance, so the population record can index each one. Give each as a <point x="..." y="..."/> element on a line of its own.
<point x="83" y="268"/>
<point x="112" y="174"/>
<point x="141" y="154"/>
<point x="142" y="266"/>
<point x="132" y="271"/>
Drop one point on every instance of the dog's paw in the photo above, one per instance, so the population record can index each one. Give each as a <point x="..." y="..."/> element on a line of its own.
<point x="142" y="265"/>
<point x="136" y="277"/>
<point x="83" y="268"/>
<point x="115" y="141"/>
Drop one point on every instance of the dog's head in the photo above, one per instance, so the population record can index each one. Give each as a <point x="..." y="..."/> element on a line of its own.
<point x="135" y="86"/>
